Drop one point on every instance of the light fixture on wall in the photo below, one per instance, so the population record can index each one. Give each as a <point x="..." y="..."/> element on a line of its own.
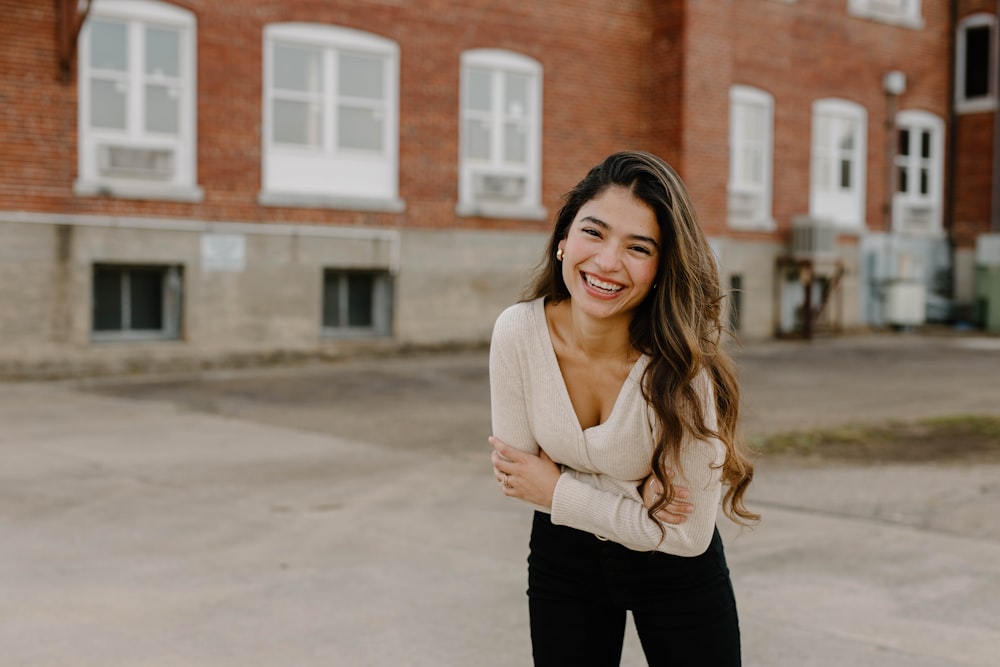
<point x="894" y="82"/>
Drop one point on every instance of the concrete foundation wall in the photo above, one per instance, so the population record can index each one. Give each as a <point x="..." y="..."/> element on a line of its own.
<point x="448" y="287"/>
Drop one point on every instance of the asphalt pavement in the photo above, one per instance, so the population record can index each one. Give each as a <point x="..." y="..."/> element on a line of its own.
<point x="345" y="514"/>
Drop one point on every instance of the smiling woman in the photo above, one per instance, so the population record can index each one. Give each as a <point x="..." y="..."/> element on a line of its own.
<point x="614" y="413"/>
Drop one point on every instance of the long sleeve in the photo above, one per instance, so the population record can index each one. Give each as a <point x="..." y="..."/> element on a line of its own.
<point x="614" y="510"/>
<point x="598" y="491"/>
<point x="508" y="407"/>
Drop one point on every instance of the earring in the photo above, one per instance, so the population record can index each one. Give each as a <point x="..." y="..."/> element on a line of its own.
<point x="559" y="255"/>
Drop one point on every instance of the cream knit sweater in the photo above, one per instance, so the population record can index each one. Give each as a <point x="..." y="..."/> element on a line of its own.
<point x="604" y="464"/>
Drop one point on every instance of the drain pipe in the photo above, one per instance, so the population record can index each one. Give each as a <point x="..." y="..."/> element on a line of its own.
<point x="995" y="191"/>
<point x="950" y="143"/>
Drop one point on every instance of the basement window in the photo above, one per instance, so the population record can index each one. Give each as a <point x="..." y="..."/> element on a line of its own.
<point x="357" y="303"/>
<point x="135" y="302"/>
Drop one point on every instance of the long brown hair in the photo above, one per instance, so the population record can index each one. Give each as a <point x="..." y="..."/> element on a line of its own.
<point x="678" y="325"/>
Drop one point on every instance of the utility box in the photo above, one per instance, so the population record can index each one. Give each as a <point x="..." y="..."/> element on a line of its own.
<point x="988" y="281"/>
<point x="905" y="303"/>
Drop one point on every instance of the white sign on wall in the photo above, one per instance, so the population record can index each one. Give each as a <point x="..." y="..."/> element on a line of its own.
<point x="223" y="252"/>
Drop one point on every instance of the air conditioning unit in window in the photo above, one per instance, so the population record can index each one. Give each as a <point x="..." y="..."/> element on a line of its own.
<point x="813" y="238"/>
<point x="499" y="187"/>
<point x="917" y="218"/>
<point x="135" y="162"/>
<point x="744" y="207"/>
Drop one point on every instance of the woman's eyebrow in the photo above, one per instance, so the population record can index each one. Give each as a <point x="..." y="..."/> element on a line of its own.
<point x="603" y="225"/>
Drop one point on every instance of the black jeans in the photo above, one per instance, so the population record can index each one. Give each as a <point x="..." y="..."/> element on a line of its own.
<point x="580" y="587"/>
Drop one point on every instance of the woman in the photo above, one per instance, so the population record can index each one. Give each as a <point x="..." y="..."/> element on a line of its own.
<point x="614" y="413"/>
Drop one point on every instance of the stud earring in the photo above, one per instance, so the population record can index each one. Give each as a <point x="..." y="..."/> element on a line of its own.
<point x="559" y="255"/>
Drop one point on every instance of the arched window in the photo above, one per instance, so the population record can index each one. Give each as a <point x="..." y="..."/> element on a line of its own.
<point x="137" y="126"/>
<point x="919" y="162"/>
<point x="975" y="62"/>
<point x="500" y="135"/>
<point x="331" y="118"/>
<point x="751" y="141"/>
<point x="838" y="168"/>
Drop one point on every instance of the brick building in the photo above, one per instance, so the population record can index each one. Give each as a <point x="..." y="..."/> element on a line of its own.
<point x="195" y="182"/>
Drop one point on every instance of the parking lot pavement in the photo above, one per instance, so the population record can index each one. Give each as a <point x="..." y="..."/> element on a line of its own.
<point x="346" y="515"/>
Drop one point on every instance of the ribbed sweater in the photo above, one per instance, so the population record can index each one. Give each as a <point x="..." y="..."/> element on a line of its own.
<point x="602" y="465"/>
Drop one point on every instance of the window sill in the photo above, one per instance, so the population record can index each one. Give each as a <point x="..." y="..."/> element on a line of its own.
<point x="912" y="22"/>
<point x="976" y="106"/>
<point x="766" y="225"/>
<point x="297" y="200"/>
<point x="133" y="337"/>
<point x="144" y="191"/>
<point x="507" y="211"/>
<point x="330" y="333"/>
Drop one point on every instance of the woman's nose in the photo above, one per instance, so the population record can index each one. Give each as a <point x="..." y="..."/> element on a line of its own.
<point x="608" y="258"/>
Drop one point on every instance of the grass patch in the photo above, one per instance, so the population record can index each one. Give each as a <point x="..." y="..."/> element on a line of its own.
<point x="960" y="438"/>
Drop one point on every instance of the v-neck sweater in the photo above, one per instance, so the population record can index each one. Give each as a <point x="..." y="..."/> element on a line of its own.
<point x="603" y="465"/>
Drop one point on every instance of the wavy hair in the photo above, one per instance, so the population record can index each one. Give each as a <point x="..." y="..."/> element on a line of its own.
<point x="678" y="325"/>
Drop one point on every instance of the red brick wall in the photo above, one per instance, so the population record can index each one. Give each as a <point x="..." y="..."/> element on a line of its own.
<point x="974" y="140"/>
<point x="594" y="54"/>
<point x="629" y="74"/>
<point x="800" y="52"/>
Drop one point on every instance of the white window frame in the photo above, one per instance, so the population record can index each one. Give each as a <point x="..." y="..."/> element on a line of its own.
<point x="94" y="143"/>
<point x="381" y="298"/>
<point x="171" y="287"/>
<point x="528" y="206"/>
<point x="906" y="205"/>
<point x="750" y="204"/>
<point x="906" y="13"/>
<point x="846" y="208"/>
<point x="330" y="176"/>
<point x="989" y="102"/>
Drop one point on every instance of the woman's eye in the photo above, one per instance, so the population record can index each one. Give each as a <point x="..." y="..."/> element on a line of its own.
<point x="591" y="231"/>
<point x="641" y="249"/>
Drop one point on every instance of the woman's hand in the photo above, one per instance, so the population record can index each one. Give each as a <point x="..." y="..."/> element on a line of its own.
<point x="674" y="513"/>
<point x="523" y="475"/>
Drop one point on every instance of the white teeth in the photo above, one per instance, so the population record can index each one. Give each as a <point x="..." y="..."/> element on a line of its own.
<point x="601" y="285"/>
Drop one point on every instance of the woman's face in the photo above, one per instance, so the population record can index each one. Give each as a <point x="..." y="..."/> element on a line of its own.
<point x="611" y="254"/>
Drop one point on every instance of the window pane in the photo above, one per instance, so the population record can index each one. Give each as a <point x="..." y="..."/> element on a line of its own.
<point x="515" y="143"/>
<point x="107" y="46"/>
<point x="359" y="128"/>
<point x="752" y="167"/>
<point x="360" y="289"/>
<point x="846" y="141"/>
<point x="753" y="123"/>
<point x="162" y="52"/>
<point x="107" y="104"/>
<point x="478" y="91"/>
<point x="477" y="139"/>
<point x="822" y="139"/>
<point x="925" y="144"/>
<point x="297" y="69"/>
<point x="820" y="173"/>
<point x="925" y="182"/>
<point x="902" y="184"/>
<point x="146" y="299"/>
<point x="845" y="174"/>
<point x="297" y="123"/>
<point x="360" y="76"/>
<point x="517" y="95"/>
<point x="977" y="60"/>
<point x="904" y="142"/>
<point x="331" y="300"/>
<point x="107" y="299"/>
<point x="162" y="109"/>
